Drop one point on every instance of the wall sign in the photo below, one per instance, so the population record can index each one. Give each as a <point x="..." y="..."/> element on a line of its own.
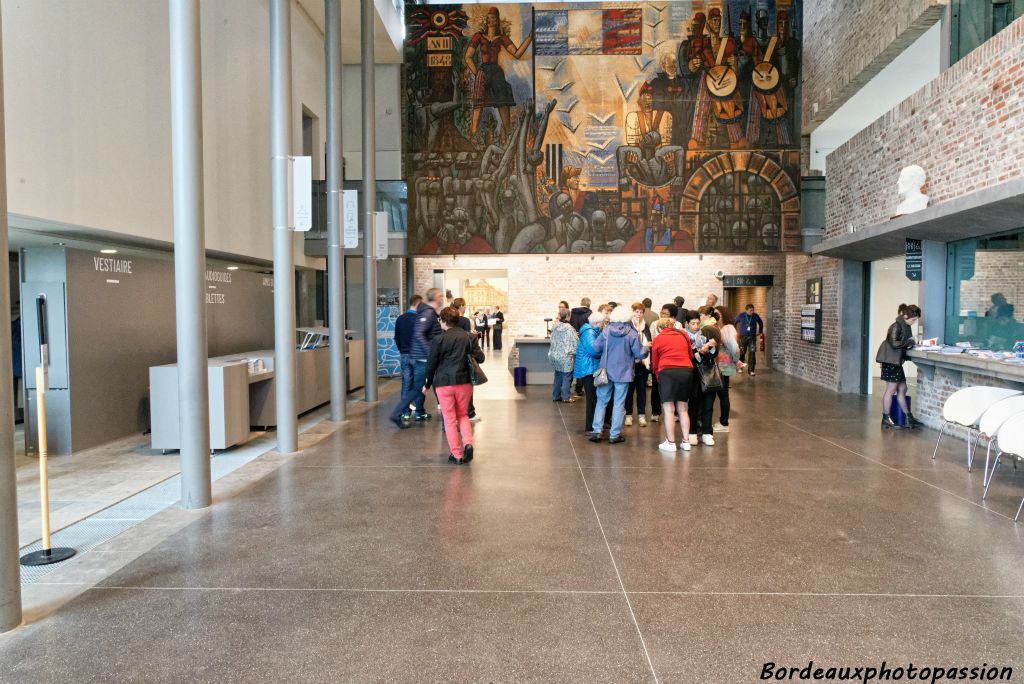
<point x="915" y="259"/>
<point x="300" y="193"/>
<point x="350" y="212"/>
<point x="748" y="281"/>
<point x="380" y="235"/>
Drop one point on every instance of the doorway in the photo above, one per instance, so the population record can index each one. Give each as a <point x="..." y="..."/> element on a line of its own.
<point x="736" y="300"/>
<point x="889" y="287"/>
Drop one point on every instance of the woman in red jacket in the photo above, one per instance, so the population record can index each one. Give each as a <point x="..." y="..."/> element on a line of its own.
<point x="672" y="365"/>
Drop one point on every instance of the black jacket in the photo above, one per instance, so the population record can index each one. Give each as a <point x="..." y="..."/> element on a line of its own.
<point x="447" y="364"/>
<point x="897" y="341"/>
<point x="404" y="328"/>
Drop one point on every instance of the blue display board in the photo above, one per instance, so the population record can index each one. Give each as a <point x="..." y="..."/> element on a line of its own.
<point x="388" y="360"/>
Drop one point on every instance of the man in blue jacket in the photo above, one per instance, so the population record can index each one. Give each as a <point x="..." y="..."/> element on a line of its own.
<point x="405" y="326"/>
<point x="749" y="326"/>
<point x="426" y="328"/>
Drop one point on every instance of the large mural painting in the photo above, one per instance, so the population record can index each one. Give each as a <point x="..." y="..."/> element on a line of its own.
<point x="603" y="127"/>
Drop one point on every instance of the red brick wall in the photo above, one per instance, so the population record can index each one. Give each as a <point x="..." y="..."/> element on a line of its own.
<point x="964" y="128"/>
<point x="847" y="42"/>
<point x="934" y="387"/>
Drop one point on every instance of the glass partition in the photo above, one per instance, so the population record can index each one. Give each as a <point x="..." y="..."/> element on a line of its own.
<point x="985" y="299"/>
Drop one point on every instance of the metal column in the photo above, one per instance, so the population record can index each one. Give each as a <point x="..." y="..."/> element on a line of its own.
<point x="335" y="251"/>
<point x="189" y="252"/>
<point x="284" y="268"/>
<point x="10" y="573"/>
<point x="369" y="197"/>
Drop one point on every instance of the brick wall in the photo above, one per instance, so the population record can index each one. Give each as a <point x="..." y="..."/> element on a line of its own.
<point x="817" y="363"/>
<point x="536" y="283"/>
<point x="963" y="128"/>
<point x="847" y="42"/>
<point x="935" y="385"/>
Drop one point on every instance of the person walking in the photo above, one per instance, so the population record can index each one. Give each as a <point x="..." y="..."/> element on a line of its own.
<point x="638" y="388"/>
<point x="447" y="371"/>
<point x="499" y="324"/>
<point x="891" y="354"/>
<point x="750" y="328"/>
<point x="405" y="326"/>
<point x="482" y="328"/>
<point x="562" y="354"/>
<point x="425" y="331"/>
<point x="620" y="347"/>
<point x="707" y="371"/>
<point x="672" y="365"/>
<point x="587" y="363"/>
<point x="727" y="364"/>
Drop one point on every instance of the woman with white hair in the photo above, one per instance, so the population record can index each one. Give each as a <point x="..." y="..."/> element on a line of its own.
<point x="587" y="362"/>
<point x="620" y="347"/>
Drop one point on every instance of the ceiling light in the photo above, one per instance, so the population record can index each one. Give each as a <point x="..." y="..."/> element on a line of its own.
<point x="232" y="268"/>
<point x="108" y="251"/>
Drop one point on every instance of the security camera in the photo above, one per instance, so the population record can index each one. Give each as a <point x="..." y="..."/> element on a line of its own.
<point x="720" y="274"/>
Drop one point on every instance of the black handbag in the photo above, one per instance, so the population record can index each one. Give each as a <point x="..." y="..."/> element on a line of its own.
<point x="710" y="377"/>
<point x="476" y="373"/>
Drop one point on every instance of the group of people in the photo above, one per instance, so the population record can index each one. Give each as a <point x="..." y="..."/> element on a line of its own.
<point x="438" y="351"/>
<point x="689" y="356"/>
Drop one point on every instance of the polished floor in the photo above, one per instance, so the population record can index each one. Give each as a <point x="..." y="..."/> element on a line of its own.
<point x="804" y="534"/>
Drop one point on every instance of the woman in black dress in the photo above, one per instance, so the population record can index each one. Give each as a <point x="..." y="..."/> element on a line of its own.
<point x="891" y="354"/>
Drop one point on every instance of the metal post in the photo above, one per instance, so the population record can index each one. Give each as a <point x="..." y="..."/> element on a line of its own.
<point x="10" y="573"/>
<point x="369" y="198"/>
<point x="284" y="268"/>
<point x="335" y="252"/>
<point x="189" y="252"/>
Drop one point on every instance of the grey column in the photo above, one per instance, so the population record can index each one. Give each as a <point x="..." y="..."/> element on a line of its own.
<point x="189" y="252"/>
<point x="369" y="197"/>
<point x="410" y="280"/>
<point x="10" y="574"/>
<point x="284" y="268"/>
<point x="850" y="355"/>
<point x="933" y="288"/>
<point x="335" y="251"/>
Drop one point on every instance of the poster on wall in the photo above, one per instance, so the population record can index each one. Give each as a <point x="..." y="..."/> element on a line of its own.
<point x="603" y="127"/>
<point x="389" y="361"/>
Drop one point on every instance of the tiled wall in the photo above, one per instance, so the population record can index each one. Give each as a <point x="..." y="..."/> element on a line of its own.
<point x="963" y="128"/>
<point x="847" y="42"/>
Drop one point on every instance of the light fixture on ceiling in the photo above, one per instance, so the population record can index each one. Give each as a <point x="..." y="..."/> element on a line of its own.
<point x="108" y="251"/>
<point x="232" y="268"/>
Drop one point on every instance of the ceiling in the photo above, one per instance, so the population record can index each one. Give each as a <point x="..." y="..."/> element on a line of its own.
<point x="387" y="46"/>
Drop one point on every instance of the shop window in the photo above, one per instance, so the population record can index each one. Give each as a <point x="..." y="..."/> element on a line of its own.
<point x="985" y="298"/>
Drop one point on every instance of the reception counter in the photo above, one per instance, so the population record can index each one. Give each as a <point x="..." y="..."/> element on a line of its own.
<point x="532" y="353"/>
<point x="939" y="375"/>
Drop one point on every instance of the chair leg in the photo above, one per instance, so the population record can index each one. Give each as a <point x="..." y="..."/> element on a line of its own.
<point x="970" y="449"/>
<point x="1018" y="510"/>
<point x="988" y="453"/>
<point x="991" y="476"/>
<point x="941" y="430"/>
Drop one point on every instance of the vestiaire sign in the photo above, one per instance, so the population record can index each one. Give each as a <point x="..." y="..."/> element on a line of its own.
<point x="380" y="234"/>
<point x="915" y="259"/>
<point x="300" y="193"/>
<point x="748" y="281"/>
<point x="350" y="212"/>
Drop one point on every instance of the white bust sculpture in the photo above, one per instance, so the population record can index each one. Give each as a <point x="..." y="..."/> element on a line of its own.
<point x="909" y="187"/>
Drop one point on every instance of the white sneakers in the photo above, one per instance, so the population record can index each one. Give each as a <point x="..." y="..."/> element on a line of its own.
<point x="718" y="427"/>
<point x="693" y="440"/>
<point x="629" y="421"/>
<point x="667" y="446"/>
<point x="643" y="421"/>
<point x="656" y="419"/>
<point x="685" y="446"/>
<point x="709" y="440"/>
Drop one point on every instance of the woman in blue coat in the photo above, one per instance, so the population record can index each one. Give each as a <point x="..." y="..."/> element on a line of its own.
<point x="588" y="361"/>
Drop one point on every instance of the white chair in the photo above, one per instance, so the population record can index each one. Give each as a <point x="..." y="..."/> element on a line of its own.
<point x="965" y="408"/>
<point x="1007" y="421"/>
<point x="1011" y="443"/>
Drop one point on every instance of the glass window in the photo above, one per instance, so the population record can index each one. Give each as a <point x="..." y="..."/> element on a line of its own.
<point x="975" y="21"/>
<point x="985" y="302"/>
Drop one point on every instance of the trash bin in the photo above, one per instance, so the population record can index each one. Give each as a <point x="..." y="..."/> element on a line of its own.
<point x="897" y="414"/>
<point x="519" y="376"/>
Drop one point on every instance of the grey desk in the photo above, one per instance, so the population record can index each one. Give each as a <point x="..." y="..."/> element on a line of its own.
<point x="229" y="404"/>
<point x="533" y="355"/>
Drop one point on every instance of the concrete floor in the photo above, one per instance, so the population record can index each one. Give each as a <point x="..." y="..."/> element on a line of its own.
<point x="806" y="533"/>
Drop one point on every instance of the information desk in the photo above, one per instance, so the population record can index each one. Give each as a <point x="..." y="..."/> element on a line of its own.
<point x="533" y="355"/>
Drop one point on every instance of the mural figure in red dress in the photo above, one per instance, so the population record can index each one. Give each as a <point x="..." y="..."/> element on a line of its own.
<point x="490" y="89"/>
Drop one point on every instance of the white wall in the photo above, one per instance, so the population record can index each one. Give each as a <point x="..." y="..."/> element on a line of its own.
<point x="889" y="288"/>
<point x="387" y="85"/>
<point x="88" y="126"/>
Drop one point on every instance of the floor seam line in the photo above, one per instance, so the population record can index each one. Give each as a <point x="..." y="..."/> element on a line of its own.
<point x="608" y="546"/>
<point x="895" y="470"/>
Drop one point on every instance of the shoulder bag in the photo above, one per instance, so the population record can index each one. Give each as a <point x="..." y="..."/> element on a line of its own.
<point x="476" y="373"/>
<point x="601" y="374"/>
<point x="710" y="377"/>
